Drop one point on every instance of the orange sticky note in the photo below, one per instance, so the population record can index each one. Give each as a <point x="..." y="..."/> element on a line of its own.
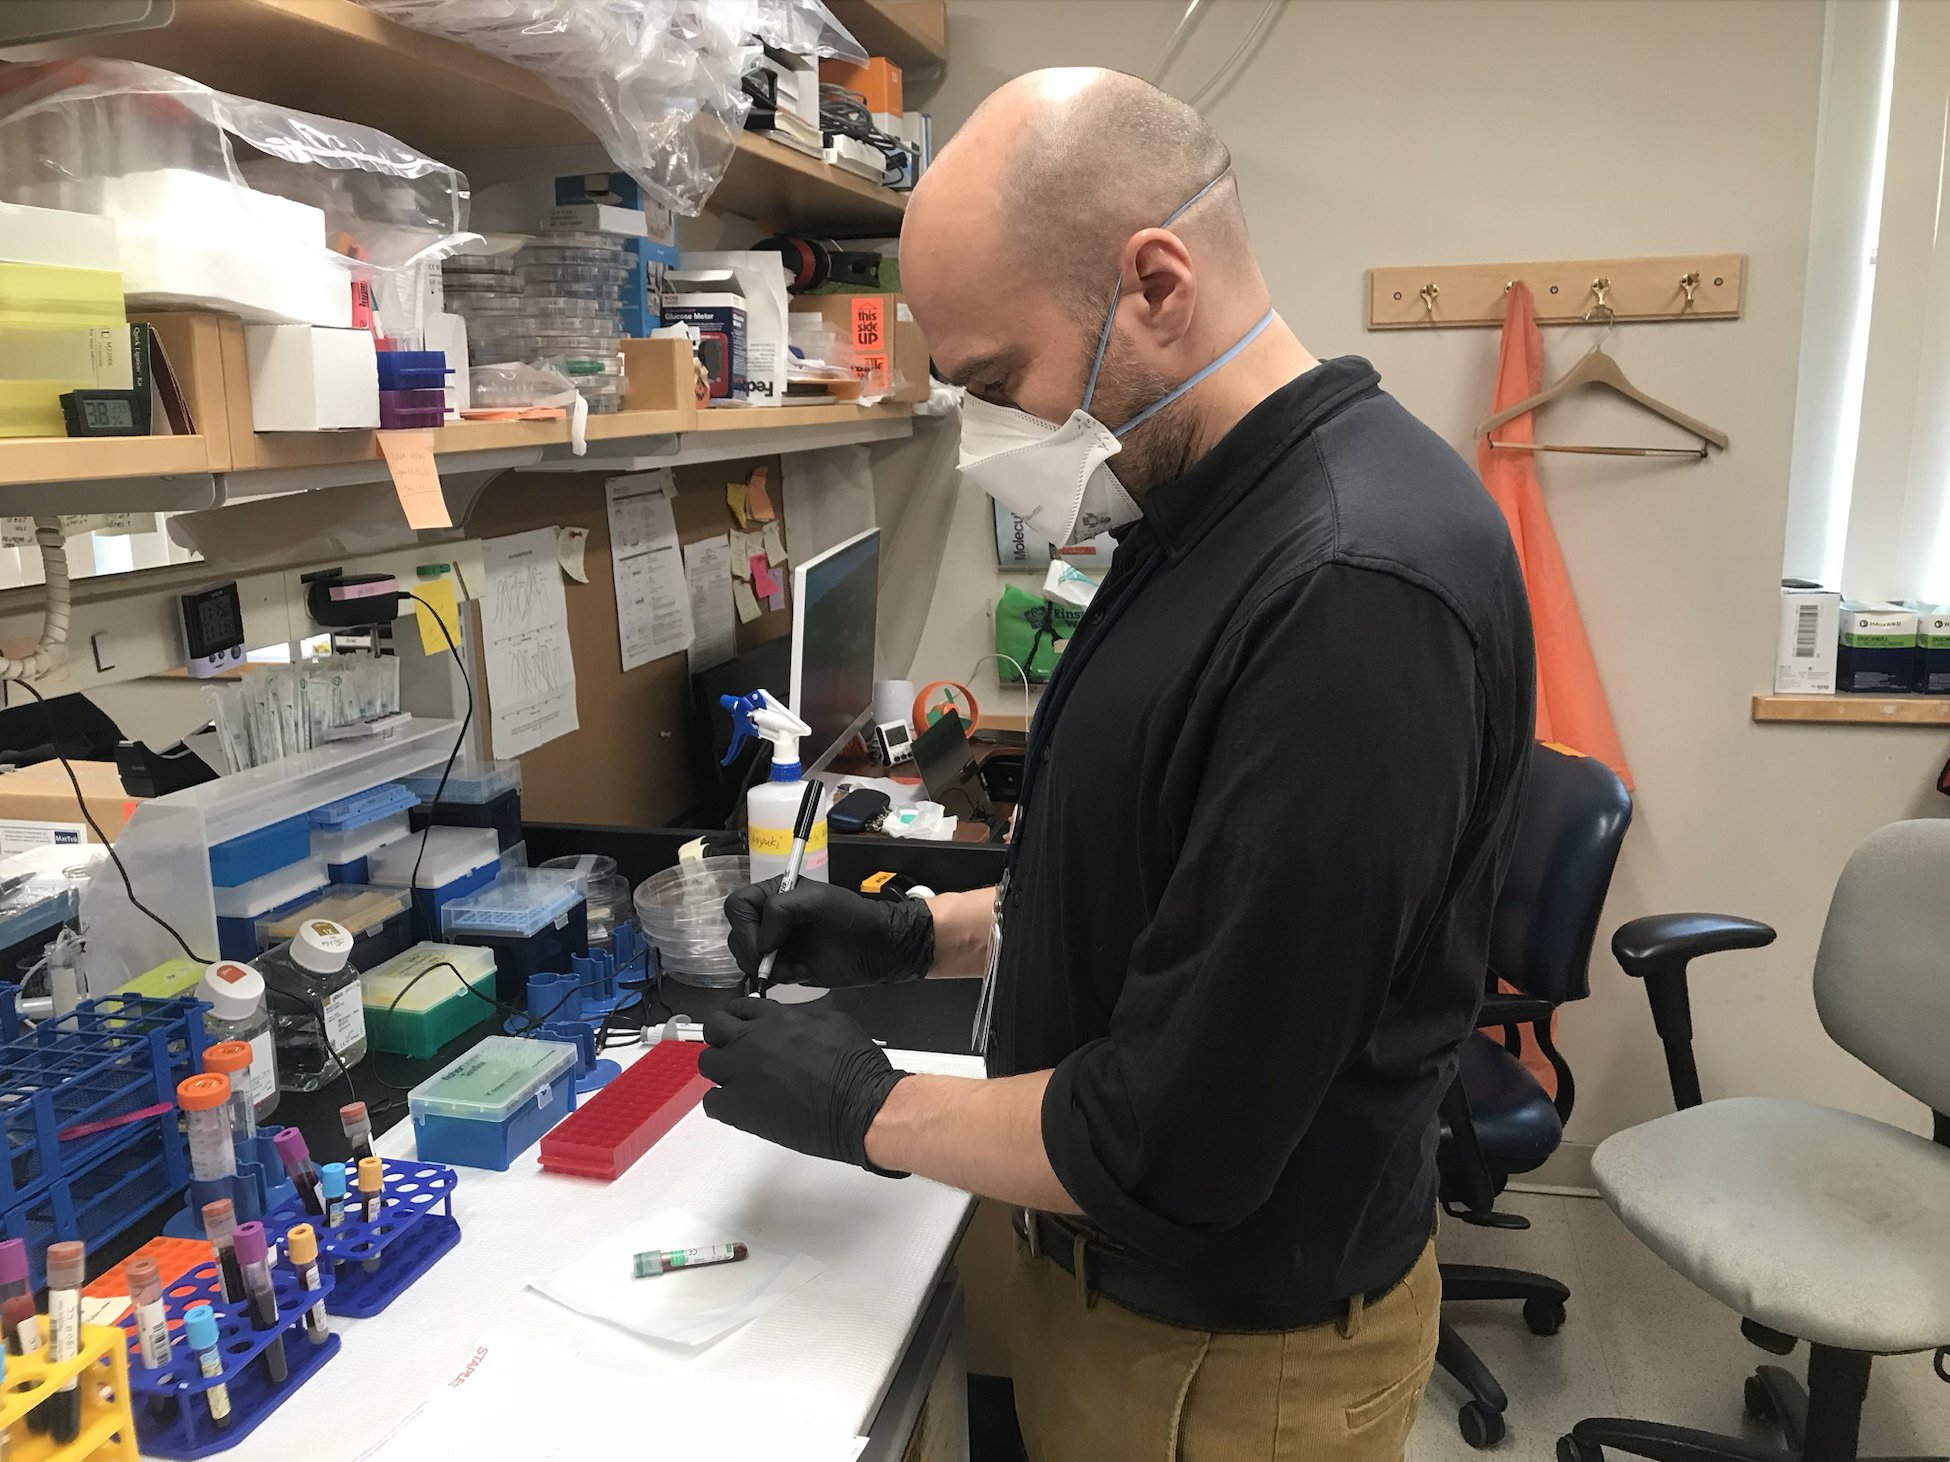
<point x="409" y="457"/>
<point x="757" y="499"/>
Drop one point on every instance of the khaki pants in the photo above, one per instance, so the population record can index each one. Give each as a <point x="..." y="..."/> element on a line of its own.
<point x="1097" y="1381"/>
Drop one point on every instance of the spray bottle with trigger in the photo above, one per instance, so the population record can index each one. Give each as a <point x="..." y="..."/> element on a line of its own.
<point x="772" y="806"/>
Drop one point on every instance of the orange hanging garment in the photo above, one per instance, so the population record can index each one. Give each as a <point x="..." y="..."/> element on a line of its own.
<point x="1571" y="706"/>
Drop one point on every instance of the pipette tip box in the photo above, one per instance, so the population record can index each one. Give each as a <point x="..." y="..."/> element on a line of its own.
<point x="347" y="832"/>
<point x="379" y="920"/>
<point x="457" y="861"/>
<point x="414" y="1005"/>
<point x="534" y="920"/>
<point x="626" y="1118"/>
<point x="264" y="850"/>
<point x="240" y="907"/>
<point x="491" y="1105"/>
<point x="477" y="794"/>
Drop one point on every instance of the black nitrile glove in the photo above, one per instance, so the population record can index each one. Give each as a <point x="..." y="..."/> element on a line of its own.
<point x="829" y="936"/>
<point x="802" y="1076"/>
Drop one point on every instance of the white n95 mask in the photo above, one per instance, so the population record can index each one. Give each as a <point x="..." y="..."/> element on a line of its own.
<point x="1056" y="478"/>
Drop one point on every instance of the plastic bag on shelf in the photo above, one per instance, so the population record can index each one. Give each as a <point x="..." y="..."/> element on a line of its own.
<point x="658" y="81"/>
<point x="223" y="202"/>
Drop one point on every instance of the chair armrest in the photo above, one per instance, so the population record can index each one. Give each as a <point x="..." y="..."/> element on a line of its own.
<point x="1657" y="950"/>
<point x="1512" y="1010"/>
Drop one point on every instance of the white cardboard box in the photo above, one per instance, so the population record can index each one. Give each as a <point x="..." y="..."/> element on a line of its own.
<point x="310" y="378"/>
<point x="1810" y="626"/>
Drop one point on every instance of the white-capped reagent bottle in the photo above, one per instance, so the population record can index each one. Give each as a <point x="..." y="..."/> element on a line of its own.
<point x="772" y="807"/>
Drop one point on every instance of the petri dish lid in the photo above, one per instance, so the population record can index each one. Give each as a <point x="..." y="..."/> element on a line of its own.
<point x="569" y="238"/>
<point x="477" y="264"/>
<point x="573" y="272"/>
<point x="584" y="866"/>
<point x="492" y="1080"/>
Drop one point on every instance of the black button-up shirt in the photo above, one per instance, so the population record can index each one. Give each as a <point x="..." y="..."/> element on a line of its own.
<point x="1249" y="912"/>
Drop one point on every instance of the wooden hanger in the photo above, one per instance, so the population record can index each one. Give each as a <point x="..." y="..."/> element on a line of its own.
<point x="1598" y="369"/>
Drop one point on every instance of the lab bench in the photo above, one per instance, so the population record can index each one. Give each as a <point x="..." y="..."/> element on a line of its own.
<point x="926" y="1391"/>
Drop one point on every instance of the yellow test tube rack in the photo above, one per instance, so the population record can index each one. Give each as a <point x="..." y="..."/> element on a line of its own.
<point x="107" y="1430"/>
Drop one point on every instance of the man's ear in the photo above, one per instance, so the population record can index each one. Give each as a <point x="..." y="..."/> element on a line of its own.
<point x="1167" y="285"/>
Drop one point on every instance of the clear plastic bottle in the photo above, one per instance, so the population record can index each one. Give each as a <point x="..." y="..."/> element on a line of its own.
<point x="236" y="995"/>
<point x="309" y="977"/>
<point x="772" y="806"/>
<point x="205" y="1101"/>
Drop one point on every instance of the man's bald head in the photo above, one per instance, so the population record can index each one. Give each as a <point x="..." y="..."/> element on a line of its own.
<point x="1070" y="162"/>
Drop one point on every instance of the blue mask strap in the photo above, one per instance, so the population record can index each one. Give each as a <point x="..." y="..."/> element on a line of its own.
<point x="1170" y="396"/>
<point x="1110" y="313"/>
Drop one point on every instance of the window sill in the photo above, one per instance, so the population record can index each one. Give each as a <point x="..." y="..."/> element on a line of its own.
<point x="1855" y="710"/>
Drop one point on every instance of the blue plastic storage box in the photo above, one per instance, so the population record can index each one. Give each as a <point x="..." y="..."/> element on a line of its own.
<point x="457" y="861"/>
<point x="255" y="854"/>
<point x="532" y="919"/>
<point x="488" y="1107"/>
<point x="347" y="832"/>
<point x="477" y="794"/>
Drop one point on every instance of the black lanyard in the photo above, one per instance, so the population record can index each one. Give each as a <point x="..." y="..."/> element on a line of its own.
<point x="1112" y="601"/>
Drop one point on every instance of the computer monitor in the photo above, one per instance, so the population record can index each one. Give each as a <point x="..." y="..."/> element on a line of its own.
<point x="836" y="597"/>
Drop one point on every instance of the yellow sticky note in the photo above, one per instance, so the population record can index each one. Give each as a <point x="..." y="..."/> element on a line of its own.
<point x="757" y="498"/>
<point x="445" y="609"/>
<point x="409" y="457"/>
<point x="734" y="496"/>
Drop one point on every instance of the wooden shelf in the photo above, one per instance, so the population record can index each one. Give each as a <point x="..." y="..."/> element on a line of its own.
<point x="761" y="418"/>
<point x="61" y="459"/>
<point x="911" y="33"/>
<point x="1855" y="710"/>
<point x="338" y="59"/>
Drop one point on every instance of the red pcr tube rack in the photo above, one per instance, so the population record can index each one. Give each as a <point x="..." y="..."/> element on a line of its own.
<point x="624" y="1120"/>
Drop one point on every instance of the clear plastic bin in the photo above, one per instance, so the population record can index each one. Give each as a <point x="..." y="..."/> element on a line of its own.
<point x="238" y="909"/>
<point x="380" y="920"/>
<point x="491" y="1105"/>
<point x="415" y="1004"/>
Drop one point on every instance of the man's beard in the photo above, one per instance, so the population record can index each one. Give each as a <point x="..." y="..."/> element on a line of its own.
<point x="1159" y="450"/>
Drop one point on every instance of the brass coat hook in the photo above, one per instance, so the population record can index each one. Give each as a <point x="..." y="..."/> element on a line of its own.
<point x="1429" y="293"/>
<point x="1689" y="282"/>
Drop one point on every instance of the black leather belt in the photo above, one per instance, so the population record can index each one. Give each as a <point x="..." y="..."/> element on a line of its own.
<point x="1142" y="1286"/>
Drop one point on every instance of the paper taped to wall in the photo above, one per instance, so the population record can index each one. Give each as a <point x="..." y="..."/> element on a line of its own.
<point x="653" y="602"/>
<point x="531" y="674"/>
<point x="714" y="624"/>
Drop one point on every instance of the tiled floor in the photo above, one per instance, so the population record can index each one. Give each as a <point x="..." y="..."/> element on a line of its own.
<point x="1639" y="1341"/>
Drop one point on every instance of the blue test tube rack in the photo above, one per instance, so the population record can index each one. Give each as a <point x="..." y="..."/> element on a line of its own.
<point x="259" y="1188"/>
<point x="587" y="991"/>
<point x="592" y="1071"/>
<point x="171" y="1417"/>
<point x="415" y="1226"/>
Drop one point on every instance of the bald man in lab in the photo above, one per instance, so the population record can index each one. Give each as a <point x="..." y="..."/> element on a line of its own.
<point x="1269" y="796"/>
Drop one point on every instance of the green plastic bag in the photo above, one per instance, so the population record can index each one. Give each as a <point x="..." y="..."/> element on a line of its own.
<point x="1032" y="631"/>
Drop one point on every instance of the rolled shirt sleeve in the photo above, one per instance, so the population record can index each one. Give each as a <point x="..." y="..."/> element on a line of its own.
<point x="1331" y="817"/>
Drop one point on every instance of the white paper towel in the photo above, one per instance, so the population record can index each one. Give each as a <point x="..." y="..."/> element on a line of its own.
<point x="683" y="1306"/>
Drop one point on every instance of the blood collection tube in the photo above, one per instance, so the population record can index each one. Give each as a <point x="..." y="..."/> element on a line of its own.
<point x="200" y="1334"/>
<point x="205" y="1101"/>
<point x="296" y="1158"/>
<point x="151" y="1320"/>
<point x="21" y="1324"/>
<point x="66" y="1263"/>
<point x="301" y="1248"/>
<point x="219" y="1224"/>
<point x="358" y="1129"/>
<point x="372" y="1197"/>
<point x="232" y="1060"/>
<point x="254" y="1258"/>
<point x="331" y="1187"/>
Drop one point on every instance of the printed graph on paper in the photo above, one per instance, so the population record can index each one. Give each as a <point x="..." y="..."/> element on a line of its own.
<point x="525" y="632"/>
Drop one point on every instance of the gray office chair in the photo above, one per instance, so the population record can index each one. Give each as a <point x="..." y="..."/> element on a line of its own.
<point x="1813" y="1224"/>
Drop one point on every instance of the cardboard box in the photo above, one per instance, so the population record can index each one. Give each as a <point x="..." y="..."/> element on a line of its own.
<point x="890" y="352"/>
<point x="879" y="81"/>
<point x="1804" y="656"/>
<point x="308" y="378"/>
<point x="760" y="276"/>
<point x="1932" y="647"/>
<point x="1877" y="653"/>
<point x="710" y="302"/>
<point x="38" y="798"/>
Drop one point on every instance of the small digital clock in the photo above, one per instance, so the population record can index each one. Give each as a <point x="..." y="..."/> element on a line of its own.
<point x="106" y="413"/>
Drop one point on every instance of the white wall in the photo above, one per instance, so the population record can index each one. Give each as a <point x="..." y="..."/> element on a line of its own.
<point x="1429" y="131"/>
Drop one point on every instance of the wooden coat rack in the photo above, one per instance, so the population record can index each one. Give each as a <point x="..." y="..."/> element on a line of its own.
<point x="1445" y="296"/>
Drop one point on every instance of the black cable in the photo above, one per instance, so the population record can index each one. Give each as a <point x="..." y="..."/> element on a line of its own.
<point x="82" y="801"/>
<point x="433" y="807"/>
<point x="845" y="111"/>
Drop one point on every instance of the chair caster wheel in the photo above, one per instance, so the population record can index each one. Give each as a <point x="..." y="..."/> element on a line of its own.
<point x="1544" y="1317"/>
<point x="1480" y="1426"/>
<point x="1760" y="1400"/>
<point x="1571" y="1449"/>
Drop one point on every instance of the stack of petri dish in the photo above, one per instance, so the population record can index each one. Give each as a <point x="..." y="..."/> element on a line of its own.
<point x="572" y="314"/>
<point x="484" y="290"/>
<point x="682" y="912"/>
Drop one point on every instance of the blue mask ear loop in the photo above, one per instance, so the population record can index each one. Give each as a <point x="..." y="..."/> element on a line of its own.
<point x="1117" y="288"/>
<point x="1170" y="396"/>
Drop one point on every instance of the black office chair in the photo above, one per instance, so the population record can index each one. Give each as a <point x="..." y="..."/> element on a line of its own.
<point x="1497" y="1119"/>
